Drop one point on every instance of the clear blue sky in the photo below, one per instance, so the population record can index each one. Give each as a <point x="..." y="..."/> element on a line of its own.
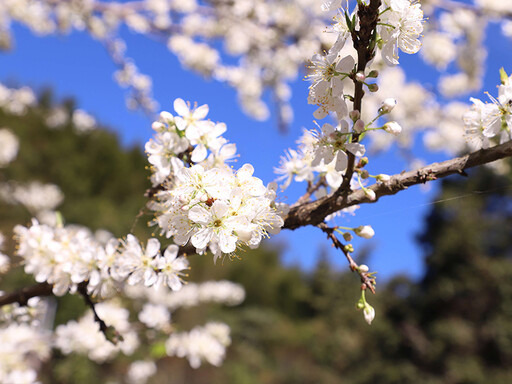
<point x="79" y="67"/>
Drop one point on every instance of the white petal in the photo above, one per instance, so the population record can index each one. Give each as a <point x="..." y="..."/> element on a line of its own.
<point x="227" y="242"/>
<point x="199" y="153"/>
<point x="181" y="107"/>
<point x="171" y="252"/>
<point x="199" y="215"/>
<point x="219" y="209"/>
<point x="341" y="161"/>
<point x="180" y="123"/>
<point x="152" y="247"/>
<point x="320" y="113"/>
<point x="201" y="112"/>
<point x="356" y="149"/>
<point x="346" y="64"/>
<point x="201" y="239"/>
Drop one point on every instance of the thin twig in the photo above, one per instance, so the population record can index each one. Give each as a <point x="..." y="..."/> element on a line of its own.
<point x="108" y="331"/>
<point x="367" y="281"/>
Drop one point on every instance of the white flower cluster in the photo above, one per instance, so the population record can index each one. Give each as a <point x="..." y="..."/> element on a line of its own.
<point x="485" y="121"/>
<point x="401" y="23"/>
<point x="459" y="38"/>
<point x="192" y="294"/>
<point x="203" y="343"/>
<point x="9" y="145"/>
<point x="5" y="261"/>
<point x="176" y="134"/>
<point x="22" y="349"/>
<point x="83" y="121"/>
<point x="155" y="316"/>
<point x="322" y="152"/>
<point x="140" y="371"/>
<point x="32" y="314"/>
<point x="16" y="101"/>
<point x="83" y="336"/>
<point x="207" y="203"/>
<point x="68" y="256"/>
<point x="35" y="196"/>
<point x="259" y="31"/>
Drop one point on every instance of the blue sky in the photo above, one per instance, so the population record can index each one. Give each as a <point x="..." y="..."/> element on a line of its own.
<point x="79" y="67"/>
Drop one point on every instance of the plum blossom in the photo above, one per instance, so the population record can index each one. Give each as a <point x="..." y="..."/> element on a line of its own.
<point x="401" y="25"/>
<point x="326" y="89"/>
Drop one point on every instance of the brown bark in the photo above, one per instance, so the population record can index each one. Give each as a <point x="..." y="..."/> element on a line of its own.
<point x="315" y="212"/>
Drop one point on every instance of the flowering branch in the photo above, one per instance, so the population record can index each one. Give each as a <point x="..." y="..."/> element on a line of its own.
<point x="315" y="212"/>
<point x="364" y="43"/>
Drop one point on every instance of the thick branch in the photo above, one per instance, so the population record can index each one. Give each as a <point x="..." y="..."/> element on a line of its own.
<point x="315" y="212"/>
<point x="23" y="295"/>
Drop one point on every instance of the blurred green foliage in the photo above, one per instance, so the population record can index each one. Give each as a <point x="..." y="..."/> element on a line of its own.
<point x="454" y="325"/>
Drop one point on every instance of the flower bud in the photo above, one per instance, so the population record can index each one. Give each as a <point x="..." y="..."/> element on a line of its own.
<point x="365" y="174"/>
<point x="504" y="77"/>
<point x="392" y="127"/>
<point x="383" y="178"/>
<point x="364" y="231"/>
<point x="347" y="236"/>
<point x="354" y="115"/>
<point x="166" y="116"/>
<point x="360" y="77"/>
<point x="370" y="193"/>
<point x="373" y="73"/>
<point x="373" y="87"/>
<point x="387" y="105"/>
<point x="369" y="313"/>
<point x="363" y="161"/>
<point x="363" y="268"/>
<point x="157" y="126"/>
<point x="349" y="248"/>
<point x="359" y="126"/>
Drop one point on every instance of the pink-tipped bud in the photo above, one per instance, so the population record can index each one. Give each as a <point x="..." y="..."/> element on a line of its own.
<point x="354" y="115"/>
<point x="360" y="77"/>
<point x="359" y="126"/>
<point x="370" y="193"/>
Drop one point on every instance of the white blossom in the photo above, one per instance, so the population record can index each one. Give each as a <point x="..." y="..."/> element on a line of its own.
<point x="9" y="145"/>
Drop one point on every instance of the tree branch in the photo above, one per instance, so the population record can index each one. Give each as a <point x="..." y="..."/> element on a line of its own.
<point x="23" y="295"/>
<point x="315" y="212"/>
<point x="108" y="331"/>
